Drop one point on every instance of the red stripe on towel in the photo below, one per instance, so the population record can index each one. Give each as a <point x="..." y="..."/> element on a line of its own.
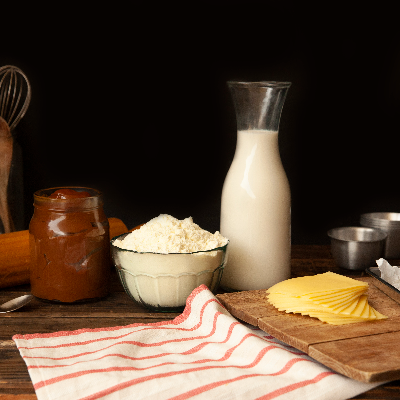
<point x="294" y="386"/>
<point x="176" y="321"/>
<point x="133" y="382"/>
<point x="150" y="326"/>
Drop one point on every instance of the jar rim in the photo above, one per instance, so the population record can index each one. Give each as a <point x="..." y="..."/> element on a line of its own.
<point x="272" y="84"/>
<point x="41" y="198"/>
<point x="93" y="192"/>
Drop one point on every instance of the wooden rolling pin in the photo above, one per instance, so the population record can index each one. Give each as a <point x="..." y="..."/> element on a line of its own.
<point x="15" y="254"/>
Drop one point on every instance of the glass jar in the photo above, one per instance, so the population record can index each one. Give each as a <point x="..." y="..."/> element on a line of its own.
<point x="70" y="246"/>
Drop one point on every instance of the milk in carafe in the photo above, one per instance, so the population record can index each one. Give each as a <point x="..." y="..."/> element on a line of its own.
<point x="255" y="204"/>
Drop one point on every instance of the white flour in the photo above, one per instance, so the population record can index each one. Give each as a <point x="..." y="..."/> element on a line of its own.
<point x="166" y="234"/>
<point x="170" y="258"/>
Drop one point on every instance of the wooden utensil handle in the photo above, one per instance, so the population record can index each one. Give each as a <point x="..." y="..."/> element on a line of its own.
<point x="6" y="155"/>
<point x="15" y="254"/>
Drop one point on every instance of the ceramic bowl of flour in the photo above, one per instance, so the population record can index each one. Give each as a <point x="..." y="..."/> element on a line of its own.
<point x="163" y="262"/>
<point x="163" y="282"/>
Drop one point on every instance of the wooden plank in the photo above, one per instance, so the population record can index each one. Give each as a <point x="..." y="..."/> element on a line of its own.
<point x="117" y="304"/>
<point x="372" y="358"/>
<point x="14" y="376"/>
<point x="120" y="310"/>
<point x="6" y="344"/>
<point x="303" y="331"/>
<point x="322" y="341"/>
<point x="387" y="290"/>
<point x="48" y="325"/>
<point x="256" y="305"/>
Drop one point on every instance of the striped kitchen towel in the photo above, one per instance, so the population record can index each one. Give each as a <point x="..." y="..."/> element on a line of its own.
<point x="204" y="353"/>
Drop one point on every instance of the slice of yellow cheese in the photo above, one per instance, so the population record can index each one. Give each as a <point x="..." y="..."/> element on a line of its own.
<point x="342" y="319"/>
<point x="286" y="301"/>
<point x="372" y="314"/>
<point x="336" y="295"/>
<point x="379" y="315"/>
<point x="330" y="297"/>
<point x="347" y="309"/>
<point x="336" y="320"/>
<point x="325" y="283"/>
<point x="361" y="304"/>
<point x="338" y="302"/>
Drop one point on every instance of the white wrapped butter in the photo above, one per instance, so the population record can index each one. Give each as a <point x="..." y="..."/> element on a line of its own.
<point x="389" y="273"/>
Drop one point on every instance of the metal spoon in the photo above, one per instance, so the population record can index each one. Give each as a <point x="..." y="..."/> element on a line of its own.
<point x="15" y="303"/>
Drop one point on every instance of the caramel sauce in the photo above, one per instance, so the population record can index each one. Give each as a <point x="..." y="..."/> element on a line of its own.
<point x="66" y="194"/>
<point x="70" y="245"/>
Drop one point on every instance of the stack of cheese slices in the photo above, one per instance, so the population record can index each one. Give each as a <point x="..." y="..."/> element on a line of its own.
<point x="330" y="297"/>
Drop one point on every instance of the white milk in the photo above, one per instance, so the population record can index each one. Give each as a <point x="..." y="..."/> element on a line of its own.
<point x="255" y="214"/>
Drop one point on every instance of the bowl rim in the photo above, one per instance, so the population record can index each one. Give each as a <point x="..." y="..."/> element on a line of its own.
<point x="380" y="216"/>
<point x="383" y="219"/>
<point x="223" y="248"/>
<point x="383" y="234"/>
<point x="202" y="272"/>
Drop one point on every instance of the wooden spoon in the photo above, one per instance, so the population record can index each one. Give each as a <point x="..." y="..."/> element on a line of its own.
<point x="6" y="152"/>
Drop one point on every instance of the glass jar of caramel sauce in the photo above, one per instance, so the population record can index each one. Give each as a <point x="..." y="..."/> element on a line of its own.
<point x="70" y="245"/>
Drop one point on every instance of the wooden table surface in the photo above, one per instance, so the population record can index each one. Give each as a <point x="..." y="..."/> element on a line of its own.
<point x="119" y="309"/>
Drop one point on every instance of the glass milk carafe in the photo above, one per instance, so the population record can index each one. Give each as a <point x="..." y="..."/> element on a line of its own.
<point x="255" y="205"/>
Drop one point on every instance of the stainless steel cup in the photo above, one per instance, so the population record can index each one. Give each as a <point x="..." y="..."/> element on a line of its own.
<point x="356" y="247"/>
<point x="388" y="222"/>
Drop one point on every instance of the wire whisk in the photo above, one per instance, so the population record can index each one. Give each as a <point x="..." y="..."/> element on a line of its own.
<point x="15" y="95"/>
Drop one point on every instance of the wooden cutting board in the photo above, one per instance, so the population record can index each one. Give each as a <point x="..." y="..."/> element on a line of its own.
<point x="365" y="351"/>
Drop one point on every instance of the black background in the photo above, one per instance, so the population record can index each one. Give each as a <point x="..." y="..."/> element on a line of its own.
<point x="133" y="100"/>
